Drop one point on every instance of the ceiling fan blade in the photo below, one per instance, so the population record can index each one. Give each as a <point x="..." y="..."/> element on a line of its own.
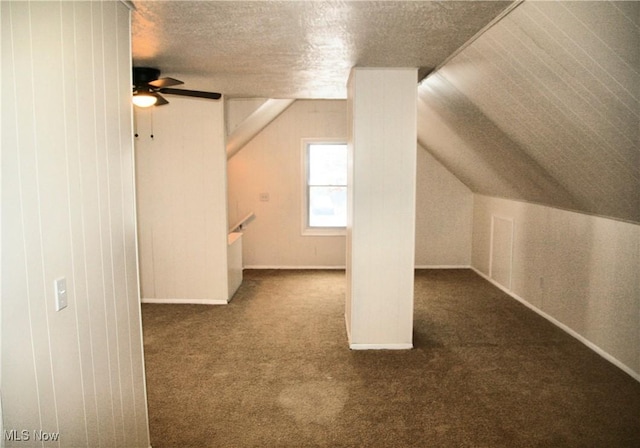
<point x="161" y="101"/>
<point x="194" y="93"/>
<point x="165" y="82"/>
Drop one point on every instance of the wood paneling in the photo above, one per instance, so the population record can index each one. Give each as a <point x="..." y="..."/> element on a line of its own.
<point x="546" y="104"/>
<point x="272" y="163"/>
<point x="579" y="270"/>
<point x="500" y="260"/>
<point x="254" y="123"/>
<point x="381" y="207"/>
<point x="444" y="215"/>
<point x="68" y="211"/>
<point x="182" y="200"/>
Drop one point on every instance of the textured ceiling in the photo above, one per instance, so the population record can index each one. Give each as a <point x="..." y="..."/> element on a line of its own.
<point x="298" y="49"/>
<point x="544" y="107"/>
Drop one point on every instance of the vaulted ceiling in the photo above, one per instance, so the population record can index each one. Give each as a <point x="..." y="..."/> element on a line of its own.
<point x="297" y="49"/>
<point x="542" y="105"/>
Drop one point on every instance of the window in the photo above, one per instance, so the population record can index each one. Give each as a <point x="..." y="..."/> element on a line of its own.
<point x="326" y="187"/>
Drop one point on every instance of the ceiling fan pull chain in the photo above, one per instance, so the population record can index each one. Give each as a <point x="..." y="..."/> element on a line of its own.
<point x="151" y="111"/>
<point x="135" y="124"/>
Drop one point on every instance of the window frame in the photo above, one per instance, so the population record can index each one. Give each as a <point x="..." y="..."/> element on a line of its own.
<point x="307" y="230"/>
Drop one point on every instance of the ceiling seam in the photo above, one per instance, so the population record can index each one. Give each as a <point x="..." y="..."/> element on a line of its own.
<point x="129" y="4"/>
<point x="473" y="38"/>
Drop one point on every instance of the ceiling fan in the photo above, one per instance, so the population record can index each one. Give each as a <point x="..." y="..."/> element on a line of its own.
<point x="147" y="87"/>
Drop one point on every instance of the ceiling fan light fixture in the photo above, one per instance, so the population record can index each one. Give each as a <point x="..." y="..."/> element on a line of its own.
<point x="147" y="87"/>
<point x="144" y="99"/>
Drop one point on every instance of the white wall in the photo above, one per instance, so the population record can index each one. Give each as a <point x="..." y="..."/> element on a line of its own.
<point x="182" y="201"/>
<point x="582" y="271"/>
<point x="238" y="109"/>
<point x="444" y="216"/>
<point x="68" y="211"/>
<point x="272" y="163"/>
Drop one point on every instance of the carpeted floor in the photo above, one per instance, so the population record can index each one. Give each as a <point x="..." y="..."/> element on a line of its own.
<point x="273" y="369"/>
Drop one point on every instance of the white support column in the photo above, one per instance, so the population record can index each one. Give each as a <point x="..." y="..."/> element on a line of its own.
<point x="381" y="210"/>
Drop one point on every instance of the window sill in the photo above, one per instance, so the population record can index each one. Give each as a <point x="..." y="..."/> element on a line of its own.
<point x="324" y="231"/>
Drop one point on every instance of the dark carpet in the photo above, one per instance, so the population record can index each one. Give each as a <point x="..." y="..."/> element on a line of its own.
<point x="273" y="369"/>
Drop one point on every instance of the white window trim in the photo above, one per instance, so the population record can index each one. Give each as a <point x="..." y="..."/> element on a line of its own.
<point x="306" y="230"/>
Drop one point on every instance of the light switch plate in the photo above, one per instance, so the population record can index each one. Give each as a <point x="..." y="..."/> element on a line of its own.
<point x="61" y="293"/>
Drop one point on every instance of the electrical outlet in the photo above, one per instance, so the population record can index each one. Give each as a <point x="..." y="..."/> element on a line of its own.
<point x="264" y="197"/>
<point x="61" y="293"/>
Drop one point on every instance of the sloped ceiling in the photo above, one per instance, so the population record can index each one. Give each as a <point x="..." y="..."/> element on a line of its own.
<point x="297" y="49"/>
<point x="544" y="107"/>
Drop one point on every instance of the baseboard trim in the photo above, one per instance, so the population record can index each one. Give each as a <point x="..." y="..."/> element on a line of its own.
<point x="294" y="267"/>
<point x="419" y="266"/>
<point x="186" y="301"/>
<point x="381" y="346"/>
<point x="442" y="266"/>
<point x="346" y="324"/>
<point x="373" y="346"/>
<point x="635" y="375"/>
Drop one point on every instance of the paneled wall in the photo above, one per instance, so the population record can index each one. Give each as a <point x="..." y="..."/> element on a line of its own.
<point x="271" y="163"/>
<point x="544" y="107"/>
<point x="581" y="271"/>
<point x="444" y="216"/>
<point x="182" y="201"/>
<point x="68" y="211"/>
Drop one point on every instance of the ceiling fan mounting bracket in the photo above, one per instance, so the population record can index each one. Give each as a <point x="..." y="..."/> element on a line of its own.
<point x="144" y="75"/>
